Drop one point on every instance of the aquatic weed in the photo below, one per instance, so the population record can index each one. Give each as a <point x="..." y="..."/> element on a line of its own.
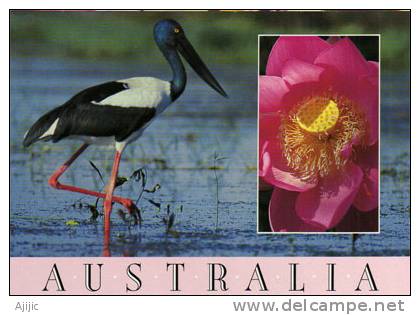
<point x="216" y="159"/>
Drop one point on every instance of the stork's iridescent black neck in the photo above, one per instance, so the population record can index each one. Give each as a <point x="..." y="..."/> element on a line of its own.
<point x="170" y="38"/>
<point x="179" y="76"/>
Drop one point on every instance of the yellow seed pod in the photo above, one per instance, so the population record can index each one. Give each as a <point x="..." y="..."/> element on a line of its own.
<point x="318" y="115"/>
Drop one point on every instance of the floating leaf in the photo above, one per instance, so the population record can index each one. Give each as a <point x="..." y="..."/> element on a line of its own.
<point x="72" y="223"/>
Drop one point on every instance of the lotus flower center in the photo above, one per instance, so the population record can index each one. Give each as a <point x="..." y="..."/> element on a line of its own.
<point x="316" y="133"/>
<point x="318" y="115"/>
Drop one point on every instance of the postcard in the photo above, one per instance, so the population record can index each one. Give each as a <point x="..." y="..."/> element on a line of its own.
<point x="219" y="152"/>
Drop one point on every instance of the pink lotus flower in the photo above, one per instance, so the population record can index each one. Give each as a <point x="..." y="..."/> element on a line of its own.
<point x="318" y="135"/>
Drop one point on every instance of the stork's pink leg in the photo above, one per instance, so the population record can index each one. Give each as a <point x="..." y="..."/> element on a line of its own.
<point x="53" y="181"/>
<point x="108" y="198"/>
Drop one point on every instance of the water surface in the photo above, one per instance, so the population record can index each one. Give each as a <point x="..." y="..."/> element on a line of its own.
<point x="201" y="152"/>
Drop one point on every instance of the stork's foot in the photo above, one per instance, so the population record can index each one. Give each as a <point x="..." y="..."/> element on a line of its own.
<point x="132" y="209"/>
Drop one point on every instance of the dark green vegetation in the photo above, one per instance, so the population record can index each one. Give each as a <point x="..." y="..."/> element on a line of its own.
<point x="221" y="37"/>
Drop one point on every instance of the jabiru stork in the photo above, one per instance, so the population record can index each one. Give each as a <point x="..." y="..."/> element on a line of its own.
<point x="118" y="112"/>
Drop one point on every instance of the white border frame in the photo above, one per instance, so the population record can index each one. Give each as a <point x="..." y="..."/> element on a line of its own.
<point x="379" y="138"/>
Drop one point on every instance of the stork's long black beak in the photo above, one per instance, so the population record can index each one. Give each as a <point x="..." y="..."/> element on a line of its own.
<point x="191" y="56"/>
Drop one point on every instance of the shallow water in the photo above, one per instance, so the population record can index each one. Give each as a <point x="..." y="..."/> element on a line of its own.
<point x="213" y="199"/>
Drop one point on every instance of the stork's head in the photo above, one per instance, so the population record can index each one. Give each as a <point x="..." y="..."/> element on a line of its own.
<point x="167" y="32"/>
<point x="170" y="36"/>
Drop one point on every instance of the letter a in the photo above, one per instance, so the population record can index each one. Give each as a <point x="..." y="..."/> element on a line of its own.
<point x="54" y="276"/>
<point x="367" y="276"/>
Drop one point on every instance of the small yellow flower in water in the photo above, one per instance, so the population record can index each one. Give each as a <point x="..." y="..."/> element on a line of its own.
<point x="317" y="115"/>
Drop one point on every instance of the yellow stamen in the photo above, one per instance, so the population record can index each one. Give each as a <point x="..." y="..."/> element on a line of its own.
<point x="318" y="115"/>
<point x="312" y="136"/>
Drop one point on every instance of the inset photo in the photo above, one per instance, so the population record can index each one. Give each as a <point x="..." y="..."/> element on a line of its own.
<point x="318" y="134"/>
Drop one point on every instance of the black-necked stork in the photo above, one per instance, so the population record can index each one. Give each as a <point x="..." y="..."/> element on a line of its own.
<point x="118" y="112"/>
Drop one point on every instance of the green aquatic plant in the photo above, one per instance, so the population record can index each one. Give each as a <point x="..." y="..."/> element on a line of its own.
<point x="215" y="168"/>
<point x="169" y="221"/>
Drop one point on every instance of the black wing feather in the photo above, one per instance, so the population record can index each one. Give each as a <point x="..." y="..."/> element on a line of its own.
<point x="102" y="121"/>
<point x="41" y="126"/>
<point x="98" y="93"/>
<point x="95" y="93"/>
